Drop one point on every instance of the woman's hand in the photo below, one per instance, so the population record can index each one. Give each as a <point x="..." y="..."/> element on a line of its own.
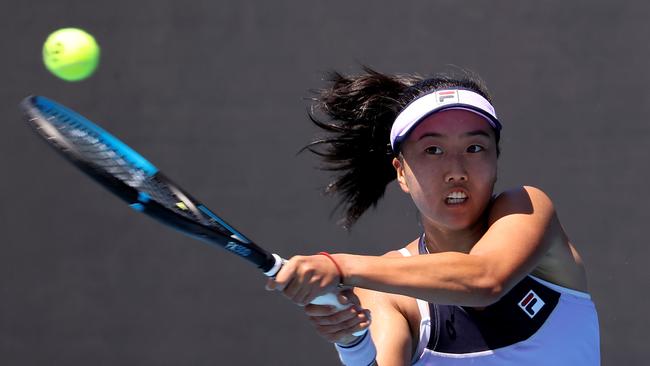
<point x="338" y="326"/>
<point x="303" y="278"/>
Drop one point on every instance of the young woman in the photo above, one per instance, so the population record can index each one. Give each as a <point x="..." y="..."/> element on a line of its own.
<point x="492" y="280"/>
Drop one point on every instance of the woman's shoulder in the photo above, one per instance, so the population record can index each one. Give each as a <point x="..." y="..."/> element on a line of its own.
<point x="562" y="264"/>
<point x="523" y="193"/>
<point x="523" y="200"/>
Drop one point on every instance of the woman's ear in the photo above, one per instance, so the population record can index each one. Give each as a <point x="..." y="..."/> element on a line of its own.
<point x="401" y="179"/>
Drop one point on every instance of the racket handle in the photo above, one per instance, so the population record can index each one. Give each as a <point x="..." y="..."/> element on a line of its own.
<point x="330" y="299"/>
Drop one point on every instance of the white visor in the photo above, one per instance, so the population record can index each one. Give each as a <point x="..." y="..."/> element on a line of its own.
<point x="437" y="101"/>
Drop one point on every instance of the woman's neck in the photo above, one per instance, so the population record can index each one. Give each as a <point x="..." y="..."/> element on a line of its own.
<point x="439" y="239"/>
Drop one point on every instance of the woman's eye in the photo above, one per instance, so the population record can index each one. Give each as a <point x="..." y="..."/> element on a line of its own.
<point x="433" y="150"/>
<point x="475" y="148"/>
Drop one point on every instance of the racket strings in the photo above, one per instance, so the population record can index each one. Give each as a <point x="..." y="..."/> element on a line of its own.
<point x="106" y="158"/>
<point x="98" y="152"/>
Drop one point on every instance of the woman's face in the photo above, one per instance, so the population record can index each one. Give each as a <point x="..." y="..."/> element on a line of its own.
<point x="449" y="167"/>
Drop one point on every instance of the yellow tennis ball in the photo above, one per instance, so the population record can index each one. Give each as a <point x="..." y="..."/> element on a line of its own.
<point x="71" y="54"/>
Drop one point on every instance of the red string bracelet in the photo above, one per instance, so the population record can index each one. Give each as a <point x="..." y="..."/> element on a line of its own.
<point x="336" y="265"/>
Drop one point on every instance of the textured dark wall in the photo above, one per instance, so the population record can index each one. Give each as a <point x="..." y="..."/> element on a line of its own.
<point x="213" y="93"/>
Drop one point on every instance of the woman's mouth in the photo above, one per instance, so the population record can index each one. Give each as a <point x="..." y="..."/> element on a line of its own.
<point x="455" y="198"/>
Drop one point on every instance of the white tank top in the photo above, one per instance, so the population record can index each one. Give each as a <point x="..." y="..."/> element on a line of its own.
<point x="537" y="323"/>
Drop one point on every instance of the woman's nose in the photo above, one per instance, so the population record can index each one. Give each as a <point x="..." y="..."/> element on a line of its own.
<point x="456" y="171"/>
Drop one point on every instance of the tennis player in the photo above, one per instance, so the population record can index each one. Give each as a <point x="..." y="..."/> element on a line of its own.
<point x="492" y="279"/>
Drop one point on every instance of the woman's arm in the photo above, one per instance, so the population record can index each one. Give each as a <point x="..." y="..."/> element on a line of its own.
<point x="522" y="227"/>
<point x="389" y="330"/>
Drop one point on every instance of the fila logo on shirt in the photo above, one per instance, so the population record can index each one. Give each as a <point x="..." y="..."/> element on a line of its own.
<point x="447" y="96"/>
<point x="531" y="304"/>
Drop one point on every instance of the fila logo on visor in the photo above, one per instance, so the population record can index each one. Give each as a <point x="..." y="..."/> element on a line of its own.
<point x="443" y="96"/>
<point x="531" y="304"/>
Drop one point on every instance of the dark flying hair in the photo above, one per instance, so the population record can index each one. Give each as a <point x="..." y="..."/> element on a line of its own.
<point x="359" y="111"/>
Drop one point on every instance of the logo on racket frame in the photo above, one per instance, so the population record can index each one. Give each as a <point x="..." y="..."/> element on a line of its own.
<point x="238" y="249"/>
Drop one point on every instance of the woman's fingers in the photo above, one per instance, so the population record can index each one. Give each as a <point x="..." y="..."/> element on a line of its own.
<point x="338" y="325"/>
<point x="348" y="297"/>
<point x="332" y="321"/>
<point x="343" y="332"/>
<point x="298" y="292"/>
<point x="342" y="323"/>
<point x="320" y="310"/>
<point x="303" y="278"/>
<point x="337" y="317"/>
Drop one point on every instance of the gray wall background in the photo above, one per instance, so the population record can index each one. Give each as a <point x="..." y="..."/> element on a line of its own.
<point x="213" y="92"/>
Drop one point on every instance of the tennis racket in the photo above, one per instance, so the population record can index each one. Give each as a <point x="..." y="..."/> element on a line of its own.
<point x="130" y="176"/>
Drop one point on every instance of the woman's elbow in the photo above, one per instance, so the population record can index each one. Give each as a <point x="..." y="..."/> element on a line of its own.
<point x="488" y="290"/>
